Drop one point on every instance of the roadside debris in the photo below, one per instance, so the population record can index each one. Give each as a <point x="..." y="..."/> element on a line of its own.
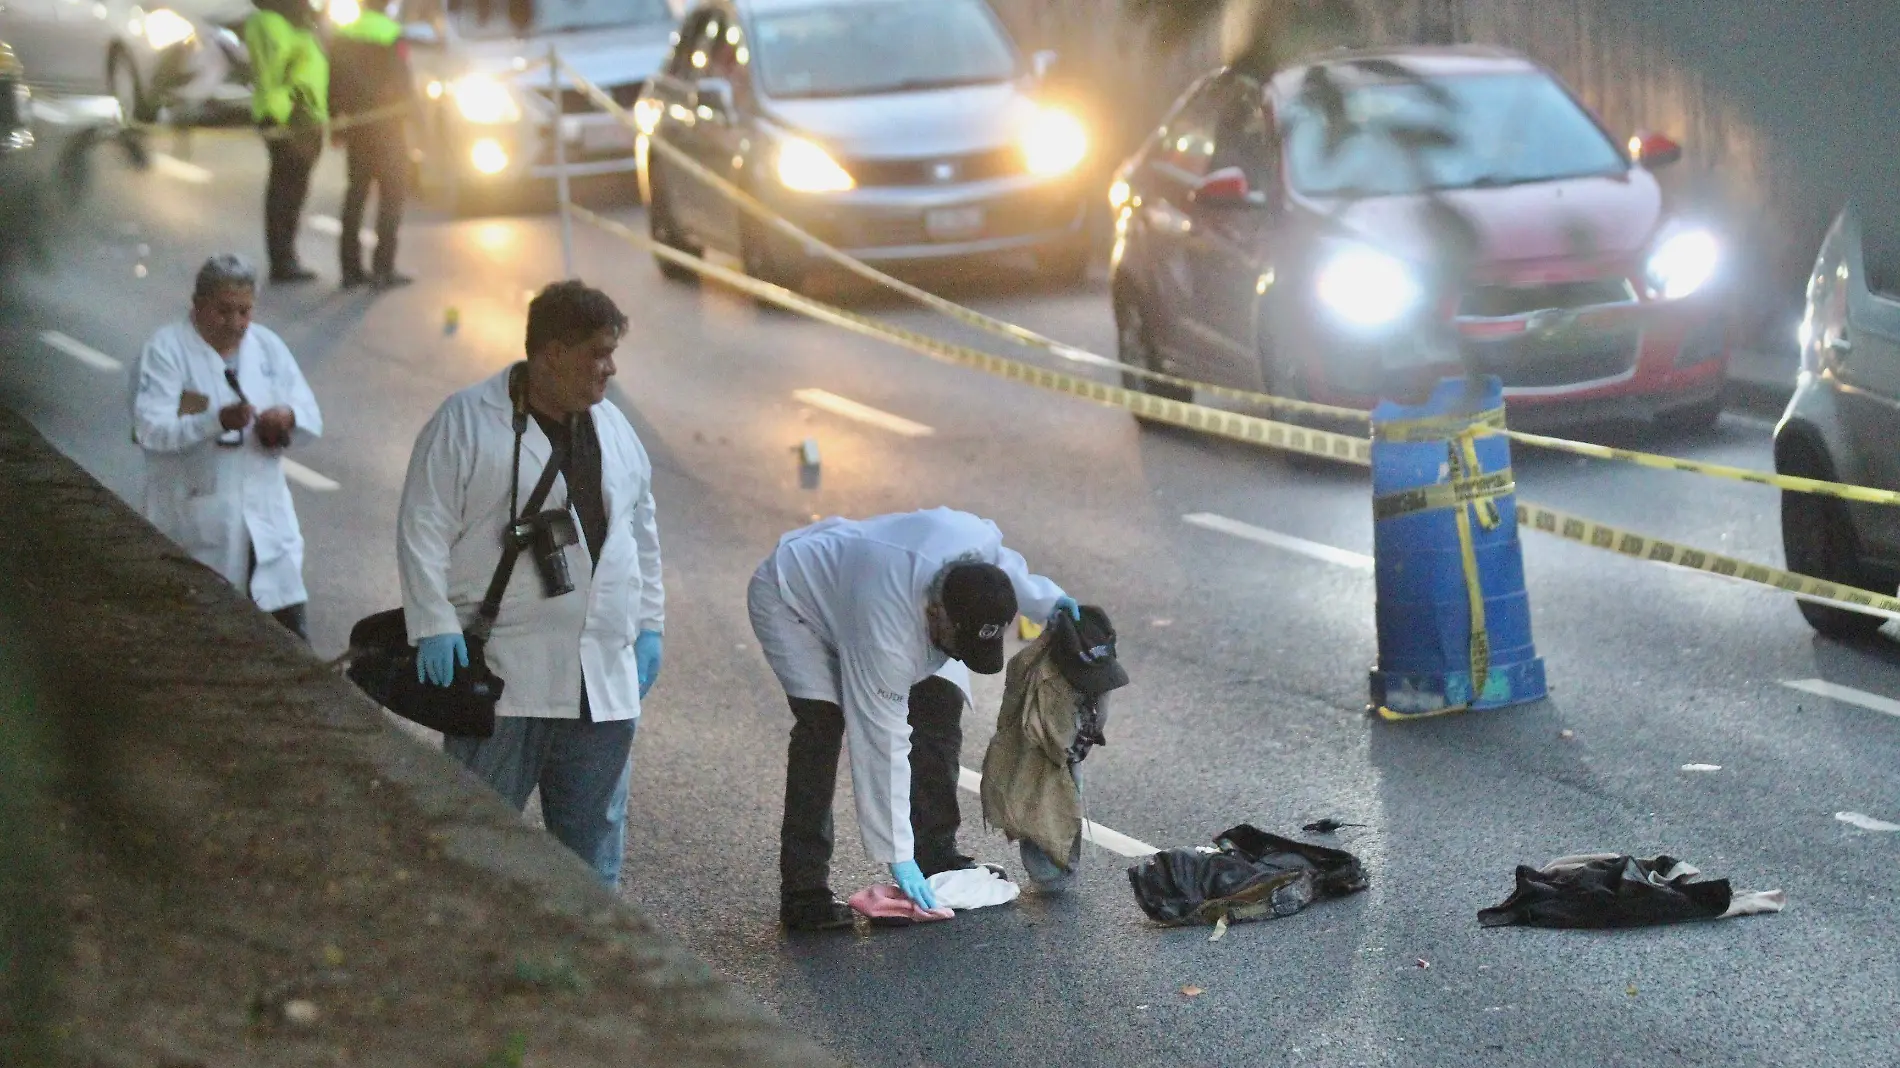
<point x="1327" y="826"/>
<point x="1250" y="875"/>
<point x="1601" y="890"/>
<point x="1192" y="991"/>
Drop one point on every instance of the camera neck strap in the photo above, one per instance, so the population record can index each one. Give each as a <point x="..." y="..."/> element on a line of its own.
<point x="510" y="552"/>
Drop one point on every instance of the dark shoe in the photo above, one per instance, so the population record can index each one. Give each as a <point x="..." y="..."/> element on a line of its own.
<point x="390" y="280"/>
<point x="355" y="279"/>
<point x="816" y="914"/>
<point x="954" y="862"/>
<point x="293" y="274"/>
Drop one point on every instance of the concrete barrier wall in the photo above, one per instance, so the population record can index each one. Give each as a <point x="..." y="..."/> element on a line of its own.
<point x="238" y="861"/>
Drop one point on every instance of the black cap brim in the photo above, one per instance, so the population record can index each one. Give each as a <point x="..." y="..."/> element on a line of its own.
<point x="985" y="657"/>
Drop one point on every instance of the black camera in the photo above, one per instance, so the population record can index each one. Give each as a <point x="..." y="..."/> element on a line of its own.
<point x="546" y="537"/>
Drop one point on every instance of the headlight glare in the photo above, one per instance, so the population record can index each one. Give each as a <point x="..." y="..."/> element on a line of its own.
<point x="1367" y="288"/>
<point x="165" y="28"/>
<point x="1683" y="264"/>
<point x="1054" y="142"/>
<point x="805" y="168"/>
<point x="485" y="101"/>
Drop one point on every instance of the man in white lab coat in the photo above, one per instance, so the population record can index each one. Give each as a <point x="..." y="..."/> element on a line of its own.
<point x="575" y="664"/>
<point x="216" y="401"/>
<point x="864" y="623"/>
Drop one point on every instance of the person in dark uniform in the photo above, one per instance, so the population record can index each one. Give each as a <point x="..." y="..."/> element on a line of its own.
<point x="370" y="66"/>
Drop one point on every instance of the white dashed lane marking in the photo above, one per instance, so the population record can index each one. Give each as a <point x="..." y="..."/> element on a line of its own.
<point x="173" y="167"/>
<point x="862" y="413"/>
<point x="307" y="478"/>
<point x="80" y="351"/>
<point x="1835" y="692"/>
<point x="1262" y="536"/>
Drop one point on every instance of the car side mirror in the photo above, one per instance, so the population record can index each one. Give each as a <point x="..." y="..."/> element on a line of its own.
<point x="712" y="98"/>
<point x="1654" y="151"/>
<point x="421" y="35"/>
<point x="1227" y="188"/>
<point x="1042" y="63"/>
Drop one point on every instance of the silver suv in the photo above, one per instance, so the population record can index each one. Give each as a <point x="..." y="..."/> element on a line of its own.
<point x="1844" y="422"/>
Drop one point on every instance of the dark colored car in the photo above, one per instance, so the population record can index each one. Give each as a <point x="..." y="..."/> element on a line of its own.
<point x="1273" y="234"/>
<point x="1843" y="423"/>
<point x="19" y="185"/>
<point x="897" y="130"/>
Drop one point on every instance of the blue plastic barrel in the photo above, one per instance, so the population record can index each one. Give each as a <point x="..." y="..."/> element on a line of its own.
<point x="1424" y="599"/>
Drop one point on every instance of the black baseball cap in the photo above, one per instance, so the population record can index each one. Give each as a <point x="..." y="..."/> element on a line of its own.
<point x="1085" y="652"/>
<point x="981" y="604"/>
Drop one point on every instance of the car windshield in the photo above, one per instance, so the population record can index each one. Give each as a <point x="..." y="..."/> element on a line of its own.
<point x="1503" y="129"/>
<point x="860" y="49"/>
<point x="488" y="19"/>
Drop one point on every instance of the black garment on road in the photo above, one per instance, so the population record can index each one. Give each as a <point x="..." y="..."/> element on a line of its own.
<point x="292" y="158"/>
<point x="1253" y="875"/>
<point x="366" y="77"/>
<point x="1617" y="891"/>
<point x="811" y="776"/>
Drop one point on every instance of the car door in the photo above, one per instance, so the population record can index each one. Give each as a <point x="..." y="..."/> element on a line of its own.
<point x="1182" y="154"/>
<point x="1228" y="252"/>
<point x="1867" y="361"/>
<point x="721" y="136"/>
<point x="32" y="28"/>
<point x="697" y="206"/>
<point x="84" y="30"/>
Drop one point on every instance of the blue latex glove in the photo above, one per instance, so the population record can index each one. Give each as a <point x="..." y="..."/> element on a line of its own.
<point x="646" y="658"/>
<point x="437" y="657"/>
<point x="1066" y="603"/>
<point x="910" y="879"/>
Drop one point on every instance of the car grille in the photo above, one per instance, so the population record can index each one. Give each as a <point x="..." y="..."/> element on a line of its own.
<point x="1503" y="302"/>
<point x="575" y="102"/>
<point x="1001" y="219"/>
<point x="935" y="170"/>
<point x="1566" y="358"/>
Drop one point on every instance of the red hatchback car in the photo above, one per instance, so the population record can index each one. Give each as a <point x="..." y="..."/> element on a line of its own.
<point x="1279" y="234"/>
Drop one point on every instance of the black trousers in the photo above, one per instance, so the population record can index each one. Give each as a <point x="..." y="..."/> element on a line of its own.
<point x="811" y="777"/>
<point x="378" y="156"/>
<point x="292" y="158"/>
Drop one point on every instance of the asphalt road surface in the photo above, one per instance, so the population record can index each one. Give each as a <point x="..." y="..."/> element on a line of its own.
<point x="1249" y="655"/>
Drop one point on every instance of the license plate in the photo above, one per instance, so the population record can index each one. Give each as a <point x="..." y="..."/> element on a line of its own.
<point x="945" y="223"/>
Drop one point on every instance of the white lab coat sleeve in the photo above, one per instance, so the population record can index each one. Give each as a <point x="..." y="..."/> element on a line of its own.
<point x="650" y="614"/>
<point x="298" y="397"/>
<point x="429" y="521"/>
<point x="1035" y="596"/>
<point x="877" y="729"/>
<point x="158" y="383"/>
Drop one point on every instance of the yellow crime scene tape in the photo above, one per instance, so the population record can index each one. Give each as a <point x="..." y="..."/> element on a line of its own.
<point x="1696" y="467"/>
<point x="1213" y="421"/>
<point x="1659" y="551"/>
<point x="948" y="308"/>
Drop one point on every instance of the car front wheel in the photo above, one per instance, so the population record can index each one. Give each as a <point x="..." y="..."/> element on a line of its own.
<point x="123" y="77"/>
<point x="664" y="230"/>
<point x="1818" y="539"/>
<point x="1134" y="346"/>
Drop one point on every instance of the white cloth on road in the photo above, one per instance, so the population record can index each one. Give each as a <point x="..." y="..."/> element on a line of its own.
<point x="972" y="888"/>
<point x="222" y="504"/>
<point x="454" y="510"/>
<point x="839" y="613"/>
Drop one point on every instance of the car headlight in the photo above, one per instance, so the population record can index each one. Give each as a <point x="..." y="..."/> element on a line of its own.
<point x="1054" y="142"/>
<point x="646" y="114"/>
<point x="1683" y="264"/>
<point x="805" y="168"/>
<point x="165" y="28"/>
<point x="1368" y="288"/>
<point x="485" y="101"/>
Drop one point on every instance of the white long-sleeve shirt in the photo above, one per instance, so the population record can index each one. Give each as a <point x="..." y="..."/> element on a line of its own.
<point x="862" y="586"/>
<point x="221" y="505"/>
<point x="454" y="509"/>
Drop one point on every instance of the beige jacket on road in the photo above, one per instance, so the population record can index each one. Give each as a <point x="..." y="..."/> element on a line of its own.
<point x="1027" y="789"/>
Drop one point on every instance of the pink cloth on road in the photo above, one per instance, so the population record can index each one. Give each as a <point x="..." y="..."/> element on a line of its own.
<point x="886" y="902"/>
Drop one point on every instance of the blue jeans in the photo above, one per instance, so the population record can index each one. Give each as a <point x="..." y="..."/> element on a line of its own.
<point x="582" y="769"/>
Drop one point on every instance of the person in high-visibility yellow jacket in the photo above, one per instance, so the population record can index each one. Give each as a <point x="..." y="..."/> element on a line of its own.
<point x="290" y="104"/>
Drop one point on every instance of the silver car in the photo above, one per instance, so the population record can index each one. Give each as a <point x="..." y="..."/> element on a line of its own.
<point x="488" y="99"/>
<point x="1843" y="423"/>
<point x="183" y="55"/>
<point x="897" y="130"/>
